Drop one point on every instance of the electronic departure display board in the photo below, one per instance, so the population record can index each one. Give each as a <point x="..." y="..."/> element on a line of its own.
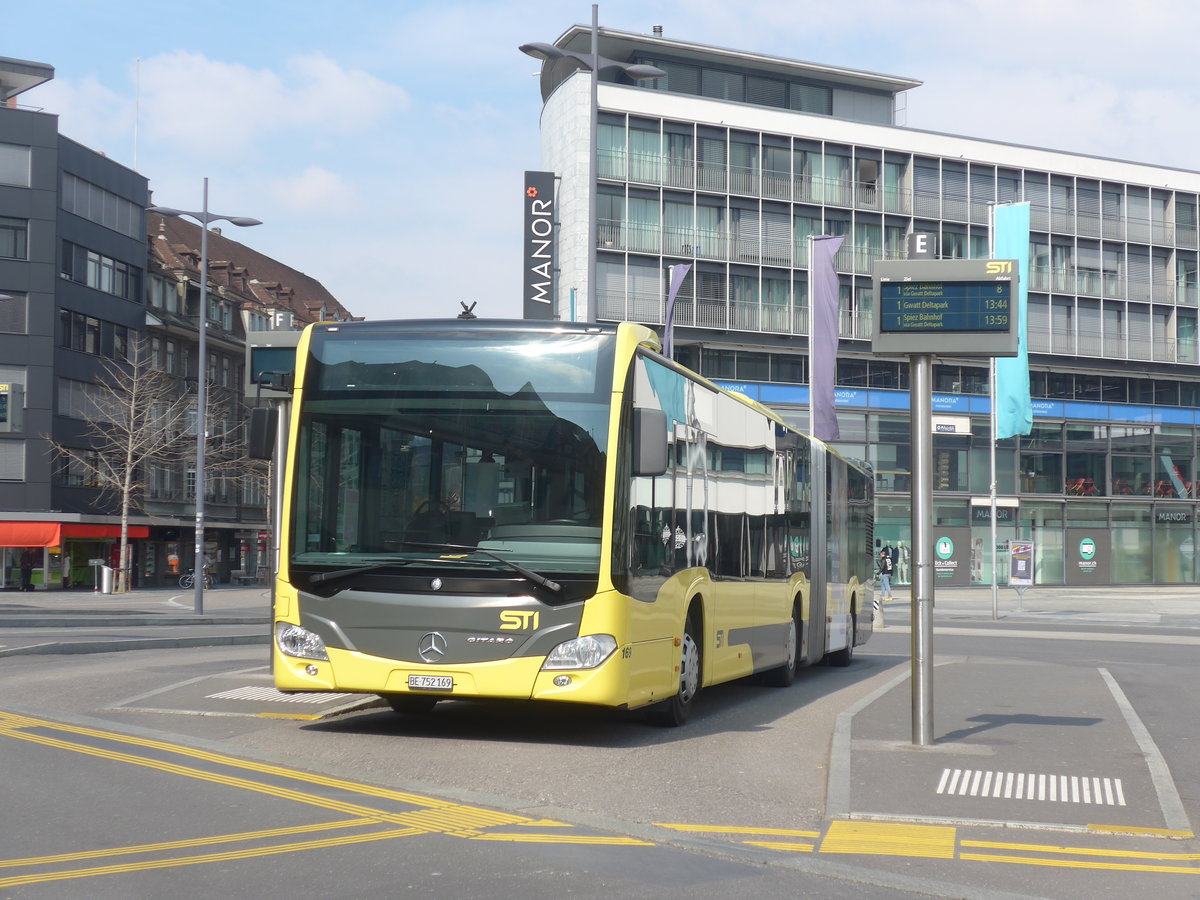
<point x="946" y="307"/>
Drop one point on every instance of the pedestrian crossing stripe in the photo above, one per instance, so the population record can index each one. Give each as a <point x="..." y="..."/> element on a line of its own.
<point x="269" y="694"/>
<point x="1039" y="786"/>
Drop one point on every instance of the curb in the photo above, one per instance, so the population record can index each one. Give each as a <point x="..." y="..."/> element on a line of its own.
<point x="42" y="620"/>
<point x="60" y="648"/>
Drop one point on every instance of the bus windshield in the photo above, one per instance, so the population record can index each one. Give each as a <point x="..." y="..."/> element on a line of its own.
<point x="452" y="449"/>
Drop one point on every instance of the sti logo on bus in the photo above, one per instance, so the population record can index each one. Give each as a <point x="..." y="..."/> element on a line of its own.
<point x="518" y="620"/>
<point x="998" y="267"/>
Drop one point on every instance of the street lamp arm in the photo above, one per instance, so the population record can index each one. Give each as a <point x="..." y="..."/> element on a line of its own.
<point x="204" y="218"/>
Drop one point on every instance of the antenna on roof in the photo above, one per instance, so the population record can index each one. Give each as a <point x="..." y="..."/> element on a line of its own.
<point x="467" y="312"/>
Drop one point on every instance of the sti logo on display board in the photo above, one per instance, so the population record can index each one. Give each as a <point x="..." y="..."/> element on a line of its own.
<point x="960" y="307"/>
<point x="538" y="243"/>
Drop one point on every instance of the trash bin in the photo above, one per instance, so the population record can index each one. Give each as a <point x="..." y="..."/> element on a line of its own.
<point x="106" y="579"/>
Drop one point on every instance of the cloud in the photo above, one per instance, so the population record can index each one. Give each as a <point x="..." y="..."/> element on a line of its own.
<point x="211" y="108"/>
<point x="89" y="112"/>
<point x="315" y="190"/>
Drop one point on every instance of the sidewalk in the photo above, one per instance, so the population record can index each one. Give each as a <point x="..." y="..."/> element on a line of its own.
<point x="1168" y="606"/>
<point x="87" y="622"/>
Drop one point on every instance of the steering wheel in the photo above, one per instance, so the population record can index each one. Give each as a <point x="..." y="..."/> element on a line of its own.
<point x="428" y="506"/>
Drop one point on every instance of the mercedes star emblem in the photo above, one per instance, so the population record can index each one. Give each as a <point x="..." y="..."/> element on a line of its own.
<point x="432" y="647"/>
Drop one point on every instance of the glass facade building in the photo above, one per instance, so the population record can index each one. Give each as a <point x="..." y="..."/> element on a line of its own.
<point x="731" y="160"/>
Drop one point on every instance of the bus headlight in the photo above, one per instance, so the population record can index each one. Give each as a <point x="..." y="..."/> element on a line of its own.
<point x="581" y="653"/>
<point x="296" y="641"/>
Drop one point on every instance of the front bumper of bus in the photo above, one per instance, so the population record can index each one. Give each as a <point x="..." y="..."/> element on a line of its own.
<point x="516" y="678"/>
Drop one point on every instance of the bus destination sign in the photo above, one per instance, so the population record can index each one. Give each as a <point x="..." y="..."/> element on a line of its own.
<point x="946" y="307"/>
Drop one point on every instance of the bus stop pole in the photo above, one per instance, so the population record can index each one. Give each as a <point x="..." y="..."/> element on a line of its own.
<point x="921" y="394"/>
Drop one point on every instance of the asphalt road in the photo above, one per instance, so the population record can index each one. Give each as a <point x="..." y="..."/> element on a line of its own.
<point x="738" y="803"/>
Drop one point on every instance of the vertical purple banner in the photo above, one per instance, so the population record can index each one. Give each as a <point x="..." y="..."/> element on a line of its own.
<point x="678" y="273"/>
<point x="538" y="246"/>
<point x="823" y="337"/>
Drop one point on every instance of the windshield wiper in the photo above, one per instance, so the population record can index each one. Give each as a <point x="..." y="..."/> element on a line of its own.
<point x="525" y="573"/>
<point x="346" y="573"/>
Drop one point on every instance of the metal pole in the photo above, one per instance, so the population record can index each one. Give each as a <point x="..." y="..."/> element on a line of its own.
<point x="199" y="568"/>
<point x="593" y="168"/>
<point x="283" y="410"/>
<point x="921" y="392"/>
<point x="994" y="418"/>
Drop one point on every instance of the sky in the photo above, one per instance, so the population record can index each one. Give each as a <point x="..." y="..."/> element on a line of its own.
<point x="383" y="143"/>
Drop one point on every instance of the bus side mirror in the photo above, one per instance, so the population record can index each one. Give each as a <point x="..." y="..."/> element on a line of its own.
<point x="649" y="442"/>
<point x="261" y="438"/>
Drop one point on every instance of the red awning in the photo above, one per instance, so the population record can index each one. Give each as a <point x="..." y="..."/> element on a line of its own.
<point x="71" y="530"/>
<point x="51" y="534"/>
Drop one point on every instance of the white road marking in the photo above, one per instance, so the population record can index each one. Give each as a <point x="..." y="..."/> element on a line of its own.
<point x="272" y="695"/>
<point x="1089" y="789"/>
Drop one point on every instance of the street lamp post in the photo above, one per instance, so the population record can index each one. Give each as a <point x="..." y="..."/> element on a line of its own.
<point x="594" y="63"/>
<point x="205" y="218"/>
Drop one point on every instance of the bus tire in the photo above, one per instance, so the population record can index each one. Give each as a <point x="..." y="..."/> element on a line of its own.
<point x="410" y="704"/>
<point x="784" y="675"/>
<point x="674" y="712"/>
<point x="845" y="656"/>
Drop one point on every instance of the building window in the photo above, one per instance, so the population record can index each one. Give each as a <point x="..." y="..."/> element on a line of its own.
<point x="14" y="164"/>
<point x="14" y="237"/>
<point x="101" y="272"/>
<point x="100" y="206"/>
<point x="13" y="313"/>
<point x="12" y="460"/>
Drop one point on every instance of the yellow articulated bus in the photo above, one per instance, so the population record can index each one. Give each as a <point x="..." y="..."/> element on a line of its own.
<point x="553" y="512"/>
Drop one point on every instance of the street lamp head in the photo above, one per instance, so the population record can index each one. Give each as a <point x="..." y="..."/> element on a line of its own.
<point x="167" y="211"/>
<point x="242" y="221"/>
<point x="642" y="72"/>
<point x="545" y="52"/>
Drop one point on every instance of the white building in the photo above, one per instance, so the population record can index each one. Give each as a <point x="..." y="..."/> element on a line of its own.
<point x="733" y="159"/>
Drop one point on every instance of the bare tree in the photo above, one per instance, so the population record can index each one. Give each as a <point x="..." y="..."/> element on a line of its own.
<point x="136" y="417"/>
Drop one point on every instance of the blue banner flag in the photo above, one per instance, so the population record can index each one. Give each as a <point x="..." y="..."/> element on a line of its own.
<point x="678" y="273"/>
<point x="823" y="337"/>
<point x="1014" y="412"/>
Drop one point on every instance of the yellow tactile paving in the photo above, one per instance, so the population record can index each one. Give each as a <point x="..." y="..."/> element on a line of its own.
<point x="887" y="839"/>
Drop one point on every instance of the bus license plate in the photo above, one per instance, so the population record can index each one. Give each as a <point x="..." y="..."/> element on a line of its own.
<point x="431" y="682"/>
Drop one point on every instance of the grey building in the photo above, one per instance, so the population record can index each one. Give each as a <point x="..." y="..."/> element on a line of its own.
<point x="730" y="162"/>
<point x="72" y="253"/>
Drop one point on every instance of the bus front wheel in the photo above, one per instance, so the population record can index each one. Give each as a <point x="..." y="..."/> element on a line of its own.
<point x="675" y="711"/>
<point x="410" y="704"/>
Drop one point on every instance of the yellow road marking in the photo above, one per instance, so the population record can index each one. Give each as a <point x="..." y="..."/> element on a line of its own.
<point x="779" y="845"/>
<point x="1134" y="829"/>
<point x="543" y="823"/>
<point x="149" y="864"/>
<point x="1080" y="864"/>
<point x="437" y="816"/>
<point x="180" y="845"/>
<point x="561" y="839"/>
<point x="1081" y="851"/>
<point x="886" y="839"/>
<point x="737" y="829"/>
<point x="11" y="721"/>
<point x="299" y="717"/>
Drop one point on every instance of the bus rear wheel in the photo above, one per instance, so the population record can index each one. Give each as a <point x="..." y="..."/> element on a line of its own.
<point x="786" y="674"/>
<point x="674" y="712"/>
<point x="845" y="656"/>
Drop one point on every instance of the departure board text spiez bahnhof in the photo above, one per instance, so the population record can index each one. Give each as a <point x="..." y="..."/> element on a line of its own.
<point x="908" y="307"/>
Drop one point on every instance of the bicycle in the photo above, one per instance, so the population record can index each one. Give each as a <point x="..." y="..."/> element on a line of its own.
<point x="188" y="579"/>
